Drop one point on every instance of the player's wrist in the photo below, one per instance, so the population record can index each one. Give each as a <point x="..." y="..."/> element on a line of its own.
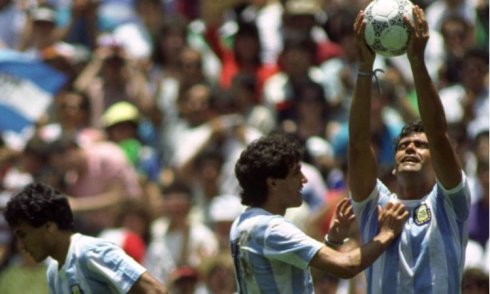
<point x="385" y="237"/>
<point x="332" y="242"/>
<point x="365" y="67"/>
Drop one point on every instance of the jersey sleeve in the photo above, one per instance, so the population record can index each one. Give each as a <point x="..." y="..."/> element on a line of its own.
<point x="459" y="198"/>
<point x="111" y="264"/>
<point x="287" y="243"/>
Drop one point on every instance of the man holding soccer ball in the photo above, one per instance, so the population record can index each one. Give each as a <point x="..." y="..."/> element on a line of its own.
<point x="428" y="257"/>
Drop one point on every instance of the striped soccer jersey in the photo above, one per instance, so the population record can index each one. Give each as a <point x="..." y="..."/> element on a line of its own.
<point x="270" y="254"/>
<point x="93" y="266"/>
<point x="428" y="256"/>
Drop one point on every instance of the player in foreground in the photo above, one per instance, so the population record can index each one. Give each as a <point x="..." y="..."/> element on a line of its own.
<point x="272" y="255"/>
<point x="429" y="255"/>
<point x="42" y="222"/>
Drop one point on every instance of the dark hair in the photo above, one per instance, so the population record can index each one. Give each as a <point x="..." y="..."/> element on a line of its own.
<point x="339" y="23"/>
<point x="170" y="23"/>
<point x="177" y="187"/>
<point x="311" y="90"/>
<point x="454" y="18"/>
<point x="408" y="130"/>
<point x="248" y="30"/>
<point x="475" y="277"/>
<point x="38" y="147"/>
<point x="268" y="157"/>
<point x="300" y="42"/>
<point x="209" y="154"/>
<point x="38" y="204"/>
<point x="63" y="144"/>
<point x="85" y="102"/>
<point x="477" y="53"/>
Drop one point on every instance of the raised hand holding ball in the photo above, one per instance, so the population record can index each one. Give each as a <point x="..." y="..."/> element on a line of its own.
<point x="386" y="33"/>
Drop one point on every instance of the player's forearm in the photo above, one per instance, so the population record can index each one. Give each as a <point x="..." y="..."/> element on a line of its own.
<point x="359" y="118"/>
<point x="362" y="163"/>
<point x="444" y="159"/>
<point x="147" y="284"/>
<point x="348" y="264"/>
<point x="430" y="106"/>
<point x="360" y="258"/>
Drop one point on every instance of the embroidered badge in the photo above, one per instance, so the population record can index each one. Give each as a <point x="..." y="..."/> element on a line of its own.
<point x="75" y="289"/>
<point x="422" y="215"/>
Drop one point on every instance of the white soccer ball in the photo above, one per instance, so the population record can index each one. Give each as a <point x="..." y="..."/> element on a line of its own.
<point x="386" y="33"/>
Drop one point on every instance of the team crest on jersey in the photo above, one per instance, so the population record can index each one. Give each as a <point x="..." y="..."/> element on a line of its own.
<point x="76" y="289"/>
<point x="422" y="215"/>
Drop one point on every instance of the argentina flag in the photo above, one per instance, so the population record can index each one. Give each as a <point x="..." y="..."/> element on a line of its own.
<point x="27" y="86"/>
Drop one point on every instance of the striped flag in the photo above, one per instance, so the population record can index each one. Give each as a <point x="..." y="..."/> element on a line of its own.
<point x="27" y="86"/>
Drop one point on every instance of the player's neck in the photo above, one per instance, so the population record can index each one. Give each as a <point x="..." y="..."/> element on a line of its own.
<point x="60" y="251"/>
<point x="413" y="191"/>
<point x="273" y="208"/>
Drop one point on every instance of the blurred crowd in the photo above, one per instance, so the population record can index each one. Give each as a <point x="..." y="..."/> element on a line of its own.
<point x="163" y="95"/>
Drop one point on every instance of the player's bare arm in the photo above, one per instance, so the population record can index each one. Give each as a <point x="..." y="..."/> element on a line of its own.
<point x="362" y="167"/>
<point x="147" y="284"/>
<point x="444" y="158"/>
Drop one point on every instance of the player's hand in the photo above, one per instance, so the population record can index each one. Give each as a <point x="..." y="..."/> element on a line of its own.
<point x="341" y="221"/>
<point x="365" y="54"/>
<point x="392" y="218"/>
<point x="419" y="34"/>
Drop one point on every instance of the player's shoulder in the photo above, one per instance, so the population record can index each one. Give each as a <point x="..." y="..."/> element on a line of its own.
<point x="254" y="218"/>
<point x="88" y="246"/>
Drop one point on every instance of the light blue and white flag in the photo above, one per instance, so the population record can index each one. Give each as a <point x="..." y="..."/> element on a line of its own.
<point x="27" y="87"/>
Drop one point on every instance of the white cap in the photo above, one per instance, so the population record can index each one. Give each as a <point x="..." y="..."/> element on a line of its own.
<point x="225" y="208"/>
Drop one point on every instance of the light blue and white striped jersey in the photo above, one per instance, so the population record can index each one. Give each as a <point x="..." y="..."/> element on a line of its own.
<point x="428" y="257"/>
<point x="271" y="255"/>
<point x="93" y="266"/>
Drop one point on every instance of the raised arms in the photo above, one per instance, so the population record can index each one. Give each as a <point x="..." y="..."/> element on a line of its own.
<point x="362" y="167"/>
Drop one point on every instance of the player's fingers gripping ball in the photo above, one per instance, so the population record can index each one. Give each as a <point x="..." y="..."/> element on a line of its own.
<point x="386" y="33"/>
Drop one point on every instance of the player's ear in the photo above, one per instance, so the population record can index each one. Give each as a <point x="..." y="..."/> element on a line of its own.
<point x="393" y="171"/>
<point x="51" y="226"/>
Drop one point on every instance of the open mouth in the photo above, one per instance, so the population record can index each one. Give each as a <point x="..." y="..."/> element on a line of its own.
<point x="410" y="159"/>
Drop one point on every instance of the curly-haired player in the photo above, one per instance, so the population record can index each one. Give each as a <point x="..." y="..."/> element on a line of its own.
<point x="42" y="222"/>
<point x="272" y="255"/>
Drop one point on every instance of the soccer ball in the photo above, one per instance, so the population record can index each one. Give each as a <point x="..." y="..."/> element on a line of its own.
<point x="386" y="33"/>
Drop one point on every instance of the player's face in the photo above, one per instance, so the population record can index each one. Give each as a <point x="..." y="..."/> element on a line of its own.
<point x="412" y="154"/>
<point x="292" y="185"/>
<point x="31" y="240"/>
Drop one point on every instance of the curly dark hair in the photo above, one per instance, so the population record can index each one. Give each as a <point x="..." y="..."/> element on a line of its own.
<point x="271" y="156"/>
<point x="408" y="130"/>
<point x="38" y="204"/>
